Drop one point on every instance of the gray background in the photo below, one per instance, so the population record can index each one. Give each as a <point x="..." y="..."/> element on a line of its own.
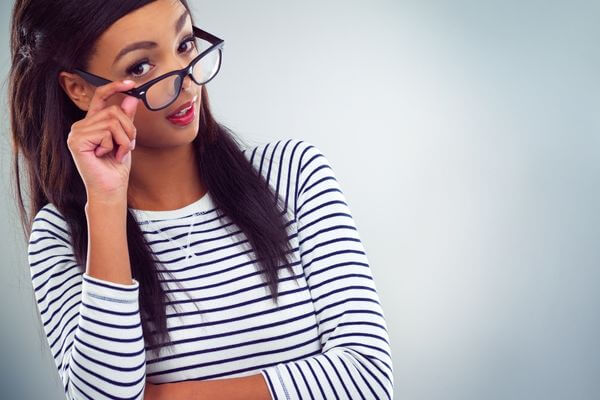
<point x="465" y="136"/>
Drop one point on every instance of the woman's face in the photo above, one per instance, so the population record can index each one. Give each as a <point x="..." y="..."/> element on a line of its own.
<point x="164" y="28"/>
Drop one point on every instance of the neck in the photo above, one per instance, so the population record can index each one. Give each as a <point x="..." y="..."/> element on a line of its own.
<point x="164" y="179"/>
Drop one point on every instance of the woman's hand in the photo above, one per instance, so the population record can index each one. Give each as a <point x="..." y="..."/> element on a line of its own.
<point x="92" y="140"/>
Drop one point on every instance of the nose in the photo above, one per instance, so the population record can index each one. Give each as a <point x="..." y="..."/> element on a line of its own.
<point x="187" y="84"/>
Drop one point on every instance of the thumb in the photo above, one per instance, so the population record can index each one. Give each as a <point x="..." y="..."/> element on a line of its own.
<point x="129" y="106"/>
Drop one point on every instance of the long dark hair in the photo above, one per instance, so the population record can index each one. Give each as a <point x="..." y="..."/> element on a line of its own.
<point x="50" y="36"/>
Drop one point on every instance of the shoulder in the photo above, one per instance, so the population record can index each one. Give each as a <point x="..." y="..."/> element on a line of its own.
<point x="49" y="244"/>
<point x="49" y="223"/>
<point x="294" y="153"/>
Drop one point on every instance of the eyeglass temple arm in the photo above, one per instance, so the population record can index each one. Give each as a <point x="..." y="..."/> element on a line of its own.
<point x="205" y="35"/>
<point x="91" y="78"/>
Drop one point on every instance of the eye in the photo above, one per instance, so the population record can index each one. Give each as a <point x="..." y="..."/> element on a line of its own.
<point x="189" y="39"/>
<point x="137" y="69"/>
<point x="134" y="70"/>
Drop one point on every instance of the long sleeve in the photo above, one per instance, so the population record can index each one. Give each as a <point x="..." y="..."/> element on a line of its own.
<point x="93" y="326"/>
<point x="355" y="360"/>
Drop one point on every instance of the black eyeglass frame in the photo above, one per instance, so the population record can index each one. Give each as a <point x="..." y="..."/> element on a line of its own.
<point x="140" y="91"/>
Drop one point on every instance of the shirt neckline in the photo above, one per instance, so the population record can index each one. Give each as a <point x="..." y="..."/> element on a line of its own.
<point x="203" y="205"/>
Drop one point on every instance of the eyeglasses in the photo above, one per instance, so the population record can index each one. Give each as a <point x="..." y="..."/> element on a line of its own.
<point x="162" y="91"/>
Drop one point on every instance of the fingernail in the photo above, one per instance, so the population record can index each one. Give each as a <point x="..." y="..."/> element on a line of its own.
<point x="128" y="81"/>
<point x="132" y="144"/>
<point x="125" y="157"/>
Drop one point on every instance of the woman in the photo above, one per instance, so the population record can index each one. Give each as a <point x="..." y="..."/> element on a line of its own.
<point x="157" y="245"/>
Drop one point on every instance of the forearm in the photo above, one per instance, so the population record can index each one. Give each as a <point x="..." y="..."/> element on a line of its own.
<point x="108" y="254"/>
<point x="252" y="387"/>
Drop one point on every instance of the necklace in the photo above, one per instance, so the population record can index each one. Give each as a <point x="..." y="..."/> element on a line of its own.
<point x="186" y="250"/>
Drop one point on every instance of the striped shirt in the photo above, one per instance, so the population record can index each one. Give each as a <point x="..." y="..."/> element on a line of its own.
<point x="326" y="339"/>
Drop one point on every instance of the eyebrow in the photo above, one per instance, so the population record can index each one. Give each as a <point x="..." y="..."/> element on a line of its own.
<point x="149" y="44"/>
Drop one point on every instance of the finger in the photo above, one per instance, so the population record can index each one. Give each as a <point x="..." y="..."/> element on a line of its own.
<point x="106" y="144"/>
<point x="129" y="106"/>
<point x="118" y="136"/>
<point x="115" y="112"/>
<point x="102" y="93"/>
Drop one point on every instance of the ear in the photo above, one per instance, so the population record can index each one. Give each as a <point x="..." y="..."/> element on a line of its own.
<point x="78" y="90"/>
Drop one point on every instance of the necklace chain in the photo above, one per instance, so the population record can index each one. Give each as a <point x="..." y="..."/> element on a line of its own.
<point x="186" y="249"/>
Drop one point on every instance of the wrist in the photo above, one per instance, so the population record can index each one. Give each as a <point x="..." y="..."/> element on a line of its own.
<point x="106" y="214"/>
<point x="108" y="197"/>
<point x="107" y="202"/>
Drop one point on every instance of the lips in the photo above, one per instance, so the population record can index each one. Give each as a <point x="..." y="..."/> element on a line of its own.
<point x="182" y="106"/>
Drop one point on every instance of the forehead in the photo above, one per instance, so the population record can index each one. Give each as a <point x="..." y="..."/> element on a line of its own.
<point x="150" y="22"/>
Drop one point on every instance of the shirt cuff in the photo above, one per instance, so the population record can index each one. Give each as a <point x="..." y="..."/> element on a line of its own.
<point x="103" y="291"/>
<point x="275" y="382"/>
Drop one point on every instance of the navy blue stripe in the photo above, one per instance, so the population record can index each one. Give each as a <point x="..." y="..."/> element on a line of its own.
<point x="327" y="377"/>
<point x="304" y="379"/>
<point x="103" y="284"/>
<point x="55" y="299"/>
<point x="232" y="359"/>
<point x="352" y="378"/>
<point x="342" y="384"/>
<point x="316" y="378"/>
<point x="271" y="386"/>
<point x="238" y="345"/>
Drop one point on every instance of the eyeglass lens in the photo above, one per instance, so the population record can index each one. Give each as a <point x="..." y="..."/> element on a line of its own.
<point x="165" y="90"/>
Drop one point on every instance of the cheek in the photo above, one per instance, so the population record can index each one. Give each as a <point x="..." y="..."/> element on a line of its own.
<point x="145" y="118"/>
